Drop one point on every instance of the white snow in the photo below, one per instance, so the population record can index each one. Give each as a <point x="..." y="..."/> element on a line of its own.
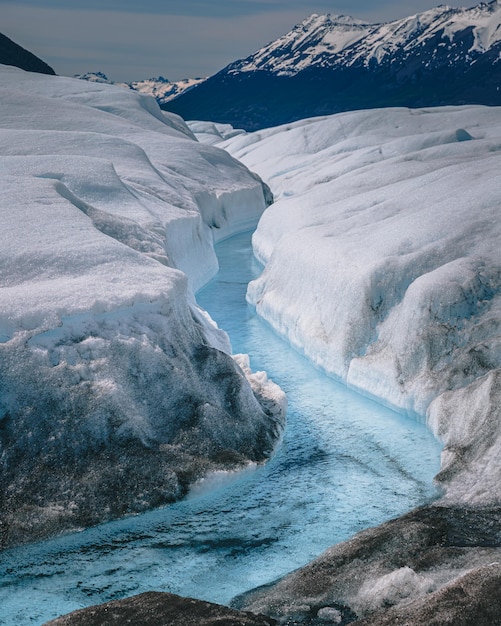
<point x="108" y="214"/>
<point x="213" y="132"/>
<point x="194" y="188"/>
<point x="164" y="90"/>
<point x="410" y="33"/>
<point x="383" y="265"/>
<point x="486" y="25"/>
<point x="391" y="589"/>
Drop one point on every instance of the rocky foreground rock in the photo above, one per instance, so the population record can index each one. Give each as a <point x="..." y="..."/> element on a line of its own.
<point x="160" y="609"/>
<point x="436" y="565"/>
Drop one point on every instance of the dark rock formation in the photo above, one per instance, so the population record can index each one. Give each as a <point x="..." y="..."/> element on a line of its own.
<point x="160" y="609"/>
<point x="436" y="565"/>
<point x="13" y="54"/>
<point x="472" y="600"/>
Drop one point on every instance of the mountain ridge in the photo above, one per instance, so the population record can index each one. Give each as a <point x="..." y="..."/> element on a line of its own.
<point x="313" y="31"/>
<point x="329" y="64"/>
<point x="162" y="89"/>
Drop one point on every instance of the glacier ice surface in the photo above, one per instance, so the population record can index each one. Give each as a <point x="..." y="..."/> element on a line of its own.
<point x="391" y="219"/>
<point x="116" y="390"/>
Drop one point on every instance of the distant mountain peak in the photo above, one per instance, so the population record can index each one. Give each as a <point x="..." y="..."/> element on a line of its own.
<point x="161" y="88"/>
<point x="316" y="19"/>
<point x="94" y="77"/>
<point x="340" y="18"/>
<point x="297" y="49"/>
<point x="448" y="35"/>
<point x="332" y="63"/>
<point x="343" y="40"/>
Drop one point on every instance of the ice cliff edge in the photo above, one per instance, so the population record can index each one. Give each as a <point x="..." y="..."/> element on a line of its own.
<point x="383" y="265"/>
<point x="116" y="390"/>
<point x="391" y="220"/>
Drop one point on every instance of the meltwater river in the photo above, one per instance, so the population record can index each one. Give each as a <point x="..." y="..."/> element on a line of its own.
<point x="345" y="463"/>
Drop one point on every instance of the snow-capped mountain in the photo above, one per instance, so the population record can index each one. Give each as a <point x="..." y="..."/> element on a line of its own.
<point x="163" y="89"/>
<point x="160" y="88"/>
<point x="330" y="63"/>
<point x="446" y="35"/>
<point x="316" y="36"/>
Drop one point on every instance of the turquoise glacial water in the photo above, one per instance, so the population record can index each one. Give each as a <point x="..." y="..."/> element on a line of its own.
<point x="345" y="463"/>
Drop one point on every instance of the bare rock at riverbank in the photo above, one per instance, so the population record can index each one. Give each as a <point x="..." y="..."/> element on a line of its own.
<point x="435" y="565"/>
<point x="160" y="609"/>
<point x="471" y="600"/>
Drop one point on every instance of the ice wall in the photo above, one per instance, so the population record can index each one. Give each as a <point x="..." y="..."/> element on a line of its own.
<point x="383" y="264"/>
<point x="116" y="390"/>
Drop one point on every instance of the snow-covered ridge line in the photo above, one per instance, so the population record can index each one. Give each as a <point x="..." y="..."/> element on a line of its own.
<point x="160" y="88"/>
<point x="442" y="23"/>
<point x="338" y="40"/>
<point x="116" y="390"/>
<point x="294" y="51"/>
<point x="391" y="220"/>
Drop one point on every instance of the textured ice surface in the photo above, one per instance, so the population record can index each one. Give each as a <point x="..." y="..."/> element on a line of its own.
<point x="114" y="392"/>
<point x="390" y="219"/>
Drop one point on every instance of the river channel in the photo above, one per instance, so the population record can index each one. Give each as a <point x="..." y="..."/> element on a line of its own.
<point x="345" y="463"/>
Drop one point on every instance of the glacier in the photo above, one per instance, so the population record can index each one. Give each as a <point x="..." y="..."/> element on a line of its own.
<point x="116" y="390"/>
<point x="391" y="219"/>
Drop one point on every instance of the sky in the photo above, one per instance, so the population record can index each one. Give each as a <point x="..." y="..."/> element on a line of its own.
<point x="137" y="39"/>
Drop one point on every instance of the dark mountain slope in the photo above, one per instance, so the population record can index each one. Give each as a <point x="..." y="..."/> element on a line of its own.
<point x="330" y="64"/>
<point x="13" y="54"/>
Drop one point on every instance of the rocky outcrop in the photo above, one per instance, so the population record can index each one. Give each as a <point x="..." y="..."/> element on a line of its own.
<point x="435" y="565"/>
<point x="160" y="609"/>
<point x="472" y="599"/>
<point x="13" y="54"/>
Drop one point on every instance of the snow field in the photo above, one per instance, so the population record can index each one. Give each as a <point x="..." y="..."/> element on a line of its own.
<point x="391" y="220"/>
